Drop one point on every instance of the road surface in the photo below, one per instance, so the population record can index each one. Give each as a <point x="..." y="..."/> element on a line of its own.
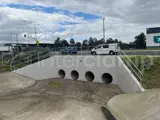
<point x="134" y="52"/>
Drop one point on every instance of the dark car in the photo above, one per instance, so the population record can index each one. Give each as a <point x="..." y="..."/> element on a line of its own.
<point x="69" y="50"/>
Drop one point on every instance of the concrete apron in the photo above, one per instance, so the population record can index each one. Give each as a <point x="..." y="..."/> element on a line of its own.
<point x="53" y="99"/>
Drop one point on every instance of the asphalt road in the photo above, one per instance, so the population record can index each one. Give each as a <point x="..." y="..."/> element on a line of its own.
<point x="143" y="52"/>
<point x="134" y="52"/>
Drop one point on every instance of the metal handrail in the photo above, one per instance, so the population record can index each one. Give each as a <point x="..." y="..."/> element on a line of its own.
<point x="132" y="63"/>
<point x="140" y="75"/>
<point x="30" y="56"/>
<point x="28" y="60"/>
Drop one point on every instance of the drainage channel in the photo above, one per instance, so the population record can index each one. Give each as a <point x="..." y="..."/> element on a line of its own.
<point x="89" y="76"/>
<point x="61" y="74"/>
<point x="74" y="75"/>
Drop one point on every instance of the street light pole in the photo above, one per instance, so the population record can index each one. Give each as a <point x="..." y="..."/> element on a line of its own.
<point x="104" y="29"/>
<point x="11" y="36"/>
<point x="17" y="37"/>
<point x="30" y="37"/>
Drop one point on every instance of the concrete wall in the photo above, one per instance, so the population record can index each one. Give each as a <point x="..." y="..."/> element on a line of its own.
<point x="126" y="80"/>
<point x="49" y="68"/>
<point x="98" y="65"/>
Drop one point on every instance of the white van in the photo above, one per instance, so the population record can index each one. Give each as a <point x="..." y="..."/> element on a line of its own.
<point x="110" y="49"/>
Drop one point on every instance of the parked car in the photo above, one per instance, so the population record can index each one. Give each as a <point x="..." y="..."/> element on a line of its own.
<point x="110" y="49"/>
<point x="69" y="50"/>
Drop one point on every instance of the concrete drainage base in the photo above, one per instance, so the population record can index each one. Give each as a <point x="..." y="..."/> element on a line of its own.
<point x="58" y="99"/>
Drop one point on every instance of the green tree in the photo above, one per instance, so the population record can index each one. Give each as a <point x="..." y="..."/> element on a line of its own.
<point x="95" y="41"/>
<point x="57" y="42"/>
<point x="140" y="41"/>
<point x="116" y="41"/>
<point x="72" y="41"/>
<point x="101" y="41"/>
<point x="131" y="45"/>
<point x="65" y="43"/>
<point x="123" y="45"/>
<point x="110" y="40"/>
<point x="78" y="45"/>
<point x="85" y="43"/>
<point x="91" y="42"/>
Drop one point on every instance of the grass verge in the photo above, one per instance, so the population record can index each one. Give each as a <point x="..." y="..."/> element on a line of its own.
<point x="150" y="66"/>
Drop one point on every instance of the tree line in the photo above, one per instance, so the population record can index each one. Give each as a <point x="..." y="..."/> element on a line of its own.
<point x="138" y="43"/>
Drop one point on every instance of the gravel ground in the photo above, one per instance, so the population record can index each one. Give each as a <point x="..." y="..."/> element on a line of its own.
<point x="57" y="99"/>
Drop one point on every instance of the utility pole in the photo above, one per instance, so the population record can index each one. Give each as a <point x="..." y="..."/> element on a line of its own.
<point x="104" y="29"/>
<point x="11" y="37"/>
<point x="17" y="37"/>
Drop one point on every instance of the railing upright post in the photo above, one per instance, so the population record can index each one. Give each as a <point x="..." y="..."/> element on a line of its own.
<point x="81" y="49"/>
<point x="28" y="60"/>
<point x="11" y="68"/>
<point x="134" y="69"/>
<point x="38" y="56"/>
<point x="31" y="59"/>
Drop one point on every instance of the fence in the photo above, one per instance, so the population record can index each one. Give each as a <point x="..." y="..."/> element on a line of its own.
<point x="81" y="48"/>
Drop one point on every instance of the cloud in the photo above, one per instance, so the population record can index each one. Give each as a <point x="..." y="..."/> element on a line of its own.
<point x="78" y="19"/>
<point x="144" y="12"/>
<point x="18" y="21"/>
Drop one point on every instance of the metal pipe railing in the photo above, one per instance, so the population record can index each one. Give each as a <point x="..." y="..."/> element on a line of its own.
<point x="134" y="69"/>
<point x="29" y="59"/>
<point x="130" y="66"/>
<point x="132" y="63"/>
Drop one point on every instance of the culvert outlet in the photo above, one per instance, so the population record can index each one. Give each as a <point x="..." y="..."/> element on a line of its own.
<point x="74" y="75"/>
<point x="107" y="78"/>
<point x="89" y="76"/>
<point x="61" y="74"/>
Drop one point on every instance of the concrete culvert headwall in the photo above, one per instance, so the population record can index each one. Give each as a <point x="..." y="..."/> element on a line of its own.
<point x="61" y="66"/>
<point x="61" y="74"/>
<point x="89" y="76"/>
<point x="107" y="78"/>
<point x="74" y="75"/>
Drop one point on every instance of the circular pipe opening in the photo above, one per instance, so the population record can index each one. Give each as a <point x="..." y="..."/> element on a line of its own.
<point x="74" y="75"/>
<point x="107" y="78"/>
<point x="61" y="74"/>
<point x="89" y="76"/>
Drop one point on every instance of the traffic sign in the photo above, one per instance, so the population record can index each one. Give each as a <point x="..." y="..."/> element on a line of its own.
<point x="37" y="42"/>
<point x="157" y="39"/>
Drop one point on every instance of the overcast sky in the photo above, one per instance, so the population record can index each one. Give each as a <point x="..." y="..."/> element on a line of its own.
<point x="78" y="19"/>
